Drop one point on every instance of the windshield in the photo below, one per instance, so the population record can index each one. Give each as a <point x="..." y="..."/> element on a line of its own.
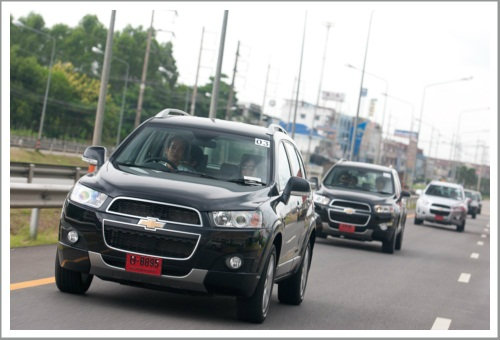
<point x="361" y="179"/>
<point x="469" y="194"/>
<point x="444" y="191"/>
<point x="170" y="150"/>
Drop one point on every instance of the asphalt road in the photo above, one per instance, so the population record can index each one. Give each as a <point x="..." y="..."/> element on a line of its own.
<point x="352" y="286"/>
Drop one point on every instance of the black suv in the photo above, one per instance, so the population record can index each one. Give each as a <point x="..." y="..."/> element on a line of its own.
<point x="363" y="202"/>
<point x="193" y="204"/>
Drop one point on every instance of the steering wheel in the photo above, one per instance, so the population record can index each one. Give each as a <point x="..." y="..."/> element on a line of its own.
<point x="161" y="159"/>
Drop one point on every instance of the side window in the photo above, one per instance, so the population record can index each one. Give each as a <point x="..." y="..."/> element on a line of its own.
<point x="283" y="167"/>
<point x="294" y="161"/>
<point x="302" y="167"/>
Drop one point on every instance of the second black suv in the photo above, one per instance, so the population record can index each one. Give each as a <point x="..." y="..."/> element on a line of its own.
<point x="193" y="204"/>
<point x="363" y="202"/>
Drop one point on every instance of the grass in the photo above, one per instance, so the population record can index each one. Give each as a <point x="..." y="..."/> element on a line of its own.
<point x="44" y="157"/>
<point x="48" y="223"/>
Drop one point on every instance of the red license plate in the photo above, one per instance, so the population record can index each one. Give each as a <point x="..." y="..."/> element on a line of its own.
<point x="143" y="264"/>
<point x="347" y="228"/>
<point x="439" y="218"/>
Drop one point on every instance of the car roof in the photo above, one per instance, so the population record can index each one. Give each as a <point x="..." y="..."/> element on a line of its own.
<point x="364" y="165"/>
<point x="214" y="124"/>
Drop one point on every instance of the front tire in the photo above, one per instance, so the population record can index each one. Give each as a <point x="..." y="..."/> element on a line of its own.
<point x="292" y="290"/>
<point x="418" y="221"/>
<point x="255" y="308"/>
<point x="389" y="245"/>
<point x="70" y="281"/>
<point x="399" y="239"/>
<point x="461" y="227"/>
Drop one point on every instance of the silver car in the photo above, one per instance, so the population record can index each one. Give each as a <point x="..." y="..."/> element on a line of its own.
<point x="443" y="203"/>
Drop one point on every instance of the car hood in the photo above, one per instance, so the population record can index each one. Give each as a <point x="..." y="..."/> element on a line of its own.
<point x="203" y="194"/>
<point x="442" y="200"/>
<point x="352" y="195"/>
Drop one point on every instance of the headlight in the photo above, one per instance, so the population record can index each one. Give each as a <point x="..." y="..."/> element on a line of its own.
<point x="458" y="208"/>
<point x="384" y="209"/>
<point x="237" y="219"/>
<point x="423" y="201"/>
<point x="320" y="199"/>
<point x="84" y="195"/>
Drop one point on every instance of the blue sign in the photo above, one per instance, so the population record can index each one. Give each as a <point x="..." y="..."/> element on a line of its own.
<point x="364" y="92"/>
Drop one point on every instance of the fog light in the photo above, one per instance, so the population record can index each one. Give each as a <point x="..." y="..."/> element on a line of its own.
<point x="383" y="226"/>
<point x="234" y="262"/>
<point x="72" y="236"/>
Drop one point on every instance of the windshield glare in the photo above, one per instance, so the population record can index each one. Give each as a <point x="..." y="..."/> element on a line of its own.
<point x="444" y="191"/>
<point x="359" y="179"/>
<point x="205" y="154"/>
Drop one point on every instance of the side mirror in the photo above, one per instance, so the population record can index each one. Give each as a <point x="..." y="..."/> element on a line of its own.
<point x="296" y="186"/>
<point x="95" y="155"/>
<point x="419" y="192"/>
<point x="405" y="193"/>
<point x="314" y="182"/>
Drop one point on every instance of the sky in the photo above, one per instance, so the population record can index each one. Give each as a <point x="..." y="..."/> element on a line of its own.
<point x="411" y="46"/>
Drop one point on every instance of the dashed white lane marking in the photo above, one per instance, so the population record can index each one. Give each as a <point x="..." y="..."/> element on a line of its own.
<point x="474" y="256"/>
<point x="488" y="225"/>
<point x="486" y="229"/>
<point x="464" y="278"/>
<point x="480" y="243"/>
<point x="483" y="235"/>
<point x="441" y="323"/>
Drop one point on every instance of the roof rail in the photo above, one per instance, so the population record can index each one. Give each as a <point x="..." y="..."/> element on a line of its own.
<point x="171" y="112"/>
<point x="275" y="127"/>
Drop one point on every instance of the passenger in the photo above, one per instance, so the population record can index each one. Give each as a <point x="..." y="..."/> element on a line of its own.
<point x="248" y="165"/>
<point x="174" y="153"/>
<point x="380" y="183"/>
<point x="344" y="179"/>
<point x="195" y="162"/>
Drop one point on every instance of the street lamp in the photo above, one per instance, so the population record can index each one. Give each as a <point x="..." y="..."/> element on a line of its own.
<point x="98" y="51"/>
<point x="423" y="101"/>
<point x="379" y="155"/>
<point x="47" y="87"/>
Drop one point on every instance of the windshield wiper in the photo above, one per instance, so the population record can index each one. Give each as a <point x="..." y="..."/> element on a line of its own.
<point x="246" y="181"/>
<point x="384" y="192"/>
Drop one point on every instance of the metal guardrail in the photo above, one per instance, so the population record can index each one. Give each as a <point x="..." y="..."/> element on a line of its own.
<point x="29" y="195"/>
<point x="48" y="144"/>
<point x="29" y="170"/>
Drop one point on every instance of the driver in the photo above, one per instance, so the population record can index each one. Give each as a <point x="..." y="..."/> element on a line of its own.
<point x="176" y="146"/>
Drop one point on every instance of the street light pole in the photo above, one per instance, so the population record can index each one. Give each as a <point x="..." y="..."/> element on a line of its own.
<point x="99" y="117"/>
<point x="215" y="90"/>
<point x="308" y="156"/>
<point x="355" y="127"/>
<point x="298" y="79"/>
<point x="195" y="86"/>
<point x="47" y="87"/>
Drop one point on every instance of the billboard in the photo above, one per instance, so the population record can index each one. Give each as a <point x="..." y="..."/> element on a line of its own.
<point x="406" y="134"/>
<point x="335" y="96"/>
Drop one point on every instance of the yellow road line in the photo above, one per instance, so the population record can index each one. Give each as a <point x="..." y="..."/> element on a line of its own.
<point x="32" y="283"/>
<point x="410" y="215"/>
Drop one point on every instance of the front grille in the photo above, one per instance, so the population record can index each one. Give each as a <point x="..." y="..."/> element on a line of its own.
<point x="166" y="268"/>
<point x="353" y="205"/>
<point x="441" y="206"/>
<point x="164" y="212"/>
<point x="336" y="216"/>
<point x="155" y="243"/>
<point x="439" y="212"/>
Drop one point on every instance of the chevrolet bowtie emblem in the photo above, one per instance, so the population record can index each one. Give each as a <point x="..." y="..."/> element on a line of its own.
<point x="349" y="211"/>
<point x="151" y="223"/>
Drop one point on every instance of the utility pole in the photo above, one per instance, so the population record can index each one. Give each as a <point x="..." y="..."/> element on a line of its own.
<point x="99" y="117"/>
<point x="308" y="156"/>
<point x="231" y="89"/>
<point x="298" y="80"/>
<point x="480" y="170"/>
<point x="195" y="87"/>
<point x="355" y="127"/>
<point x="265" y="94"/>
<point x="290" y="107"/>
<point x="144" y="74"/>
<point x="215" y="91"/>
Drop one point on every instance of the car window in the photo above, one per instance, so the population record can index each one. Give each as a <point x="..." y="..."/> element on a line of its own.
<point x="294" y="161"/>
<point x="204" y="153"/>
<point x="283" y="167"/>
<point x="361" y="179"/>
<point x="444" y="191"/>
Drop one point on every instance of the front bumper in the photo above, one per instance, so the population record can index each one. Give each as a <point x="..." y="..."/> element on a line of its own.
<point x="201" y="268"/>
<point x="452" y="217"/>
<point x="378" y="227"/>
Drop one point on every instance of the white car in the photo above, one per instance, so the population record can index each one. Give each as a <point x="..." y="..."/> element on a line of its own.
<point x="443" y="203"/>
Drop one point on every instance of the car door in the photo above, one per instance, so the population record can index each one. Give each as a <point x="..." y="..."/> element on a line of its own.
<point x="288" y="213"/>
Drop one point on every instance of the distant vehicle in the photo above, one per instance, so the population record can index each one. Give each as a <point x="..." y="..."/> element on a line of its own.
<point x="193" y="204"/>
<point x="363" y="202"/>
<point x="444" y="203"/>
<point x="472" y="202"/>
<point x="479" y="202"/>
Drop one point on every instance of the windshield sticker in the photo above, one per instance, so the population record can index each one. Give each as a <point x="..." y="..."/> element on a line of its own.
<point x="386" y="174"/>
<point x="262" y="142"/>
